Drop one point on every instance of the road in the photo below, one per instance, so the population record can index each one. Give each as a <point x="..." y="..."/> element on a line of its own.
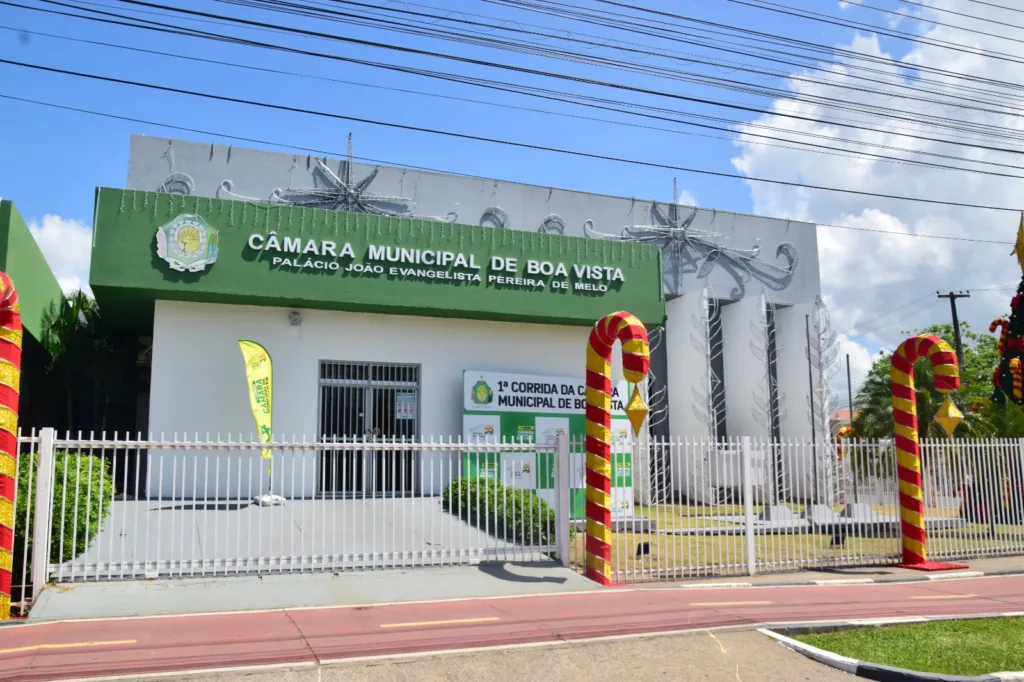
<point x="53" y="651"/>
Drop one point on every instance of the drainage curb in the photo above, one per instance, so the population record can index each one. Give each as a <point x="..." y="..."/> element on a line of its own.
<point x="875" y="671"/>
<point x="930" y="577"/>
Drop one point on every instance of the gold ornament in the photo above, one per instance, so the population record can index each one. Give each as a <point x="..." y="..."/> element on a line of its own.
<point x="1018" y="249"/>
<point x="949" y="416"/>
<point x="636" y="410"/>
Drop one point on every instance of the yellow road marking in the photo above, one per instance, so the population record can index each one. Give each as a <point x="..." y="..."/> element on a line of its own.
<point x="946" y="596"/>
<point x="720" y="645"/>
<point x="729" y="603"/>
<point x="440" y="622"/>
<point x="71" y="645"/>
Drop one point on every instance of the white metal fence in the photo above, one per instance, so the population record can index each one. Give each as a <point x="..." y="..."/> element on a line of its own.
<point x="747" y="506"/>
<point x="129" y="508"/>
<point x="117" y="508"/>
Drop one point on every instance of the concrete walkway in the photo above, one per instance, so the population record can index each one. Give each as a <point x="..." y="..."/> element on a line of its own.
<point x="131" y="598"/>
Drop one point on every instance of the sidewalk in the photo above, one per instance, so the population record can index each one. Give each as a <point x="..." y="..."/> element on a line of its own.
<point x="1012" y="565"/>
<point x="231" y="594"/>
<point x="720" y="657"/>
<point x="298" y="639"/>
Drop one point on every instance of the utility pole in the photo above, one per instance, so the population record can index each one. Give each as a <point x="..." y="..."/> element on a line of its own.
<point x="849" y="395"/>
<point x="952" y="296"/>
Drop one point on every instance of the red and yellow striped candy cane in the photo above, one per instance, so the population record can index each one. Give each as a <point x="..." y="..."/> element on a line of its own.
<point x="10" y="381"/>
<point x="1015" y="374"/>
<point x="636" y="359"/>
<point x="908" y="457"/>
<point x="842" y="433"/>
<point x="996" y="324"/>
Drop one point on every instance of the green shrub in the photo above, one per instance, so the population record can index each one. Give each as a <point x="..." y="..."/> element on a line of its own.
<point x="508" y="513"/>
<point x="77" y="473"/>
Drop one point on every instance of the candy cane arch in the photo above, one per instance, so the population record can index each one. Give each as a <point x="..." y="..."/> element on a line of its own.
<point x="996" y="324"/>
<point x="636" y="360"/>
<point x="908" y="457"/>
<point x="10" y="381"/>
<point x="841" y="435"/>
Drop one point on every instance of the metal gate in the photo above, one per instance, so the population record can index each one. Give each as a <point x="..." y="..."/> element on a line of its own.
<point x="362" y="402"/>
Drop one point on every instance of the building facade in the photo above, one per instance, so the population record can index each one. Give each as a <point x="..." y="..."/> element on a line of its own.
<point x="328" y="264"/>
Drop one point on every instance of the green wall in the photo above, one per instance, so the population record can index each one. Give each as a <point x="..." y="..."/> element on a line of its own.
<point x="22" y="260"/>
<point x="127" y="274"/>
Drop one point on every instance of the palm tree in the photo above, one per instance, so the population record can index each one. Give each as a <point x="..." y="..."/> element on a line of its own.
<point x="874" y="399"/>
<point x="69" y="336"/>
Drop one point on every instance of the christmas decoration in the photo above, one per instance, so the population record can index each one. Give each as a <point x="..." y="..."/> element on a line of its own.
<point x="636" y="361"/>
<point x="10" y="381"/>
<point x="676" y="235"/>
<point x="908" y="455"/>
<point x="1007" y="377"/>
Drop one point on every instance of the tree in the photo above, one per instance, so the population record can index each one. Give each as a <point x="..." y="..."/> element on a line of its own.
<point x="874" y="399"/>
<point x="82" y="360"/>
<point x="1008" y="375"/>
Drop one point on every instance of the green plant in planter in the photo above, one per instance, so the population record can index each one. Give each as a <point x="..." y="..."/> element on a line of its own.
<point x="83" y="489"/>
<point x="506" y="512"/>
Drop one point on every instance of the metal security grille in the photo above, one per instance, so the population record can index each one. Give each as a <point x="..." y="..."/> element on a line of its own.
<point x="362" y="402"/>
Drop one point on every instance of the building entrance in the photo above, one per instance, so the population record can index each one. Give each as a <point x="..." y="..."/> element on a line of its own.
<point x="363" y="402"/>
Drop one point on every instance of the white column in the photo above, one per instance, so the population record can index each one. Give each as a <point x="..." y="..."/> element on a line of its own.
<point x="685" y="365"/>
<point x="791" y="335"/>
<point x="742" y="369"/>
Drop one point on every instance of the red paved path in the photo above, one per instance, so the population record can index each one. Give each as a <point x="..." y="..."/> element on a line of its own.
<point x="214" y="641"/>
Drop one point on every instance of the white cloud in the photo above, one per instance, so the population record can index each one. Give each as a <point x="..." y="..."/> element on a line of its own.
<point x="686" y="198"/>
<point x="67" y="246"/>
<point x="866" y="275"/>
<point x="861" y="360"/>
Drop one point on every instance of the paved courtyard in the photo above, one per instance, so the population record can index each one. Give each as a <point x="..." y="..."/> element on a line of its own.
<point x="155" y="538"/>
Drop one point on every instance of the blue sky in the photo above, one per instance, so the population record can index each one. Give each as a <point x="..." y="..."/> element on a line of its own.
<point x="54" y="159"/>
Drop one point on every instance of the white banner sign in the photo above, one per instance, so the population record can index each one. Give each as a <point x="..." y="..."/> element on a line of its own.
<point x="498" y="392"/>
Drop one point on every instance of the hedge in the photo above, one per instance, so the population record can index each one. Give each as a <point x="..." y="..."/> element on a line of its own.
<point x="508" y="513"/>
<point x="71" y="470"/>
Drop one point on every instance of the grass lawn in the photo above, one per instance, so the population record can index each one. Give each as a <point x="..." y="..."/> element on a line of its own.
<point x="955" y="647"/>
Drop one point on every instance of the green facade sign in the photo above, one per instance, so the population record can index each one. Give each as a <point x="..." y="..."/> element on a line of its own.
<point x="150" y="246"/>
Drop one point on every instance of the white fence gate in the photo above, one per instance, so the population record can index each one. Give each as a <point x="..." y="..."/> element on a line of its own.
<point x="117" y="508"/>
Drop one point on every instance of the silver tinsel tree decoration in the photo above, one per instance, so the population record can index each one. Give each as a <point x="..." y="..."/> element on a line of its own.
<point x="822" y="355"/>
<point x="710" y="401"/>
<point x="769" y="402"/>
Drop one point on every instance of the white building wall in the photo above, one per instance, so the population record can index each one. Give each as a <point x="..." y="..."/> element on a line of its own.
<point x="198" y="381"/>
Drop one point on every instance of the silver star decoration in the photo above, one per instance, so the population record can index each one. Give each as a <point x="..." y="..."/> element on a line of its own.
<point x="674" y="231"/>
<point x="344" y="194"/>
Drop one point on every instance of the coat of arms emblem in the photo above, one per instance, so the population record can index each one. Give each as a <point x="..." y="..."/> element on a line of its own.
<point x="481" y="393"/>
<point x="187" y="244"/>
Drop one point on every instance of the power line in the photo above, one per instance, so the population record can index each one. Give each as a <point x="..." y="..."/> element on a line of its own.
<point x="804" y="146"/>
<point x="942" y="23"/>
<point x="481" y="138"/>
<point x="336" y="154"/>
<point x="344" y="17"/>
<point x="867" y="326"/>
<point x="962" y="14"/>
<point x="777" y="39"/>
<point x="586" y="81"/>
<point x="992" y="4"/>
<point x="881" y="30"/>
<point x="551" y="95"/>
